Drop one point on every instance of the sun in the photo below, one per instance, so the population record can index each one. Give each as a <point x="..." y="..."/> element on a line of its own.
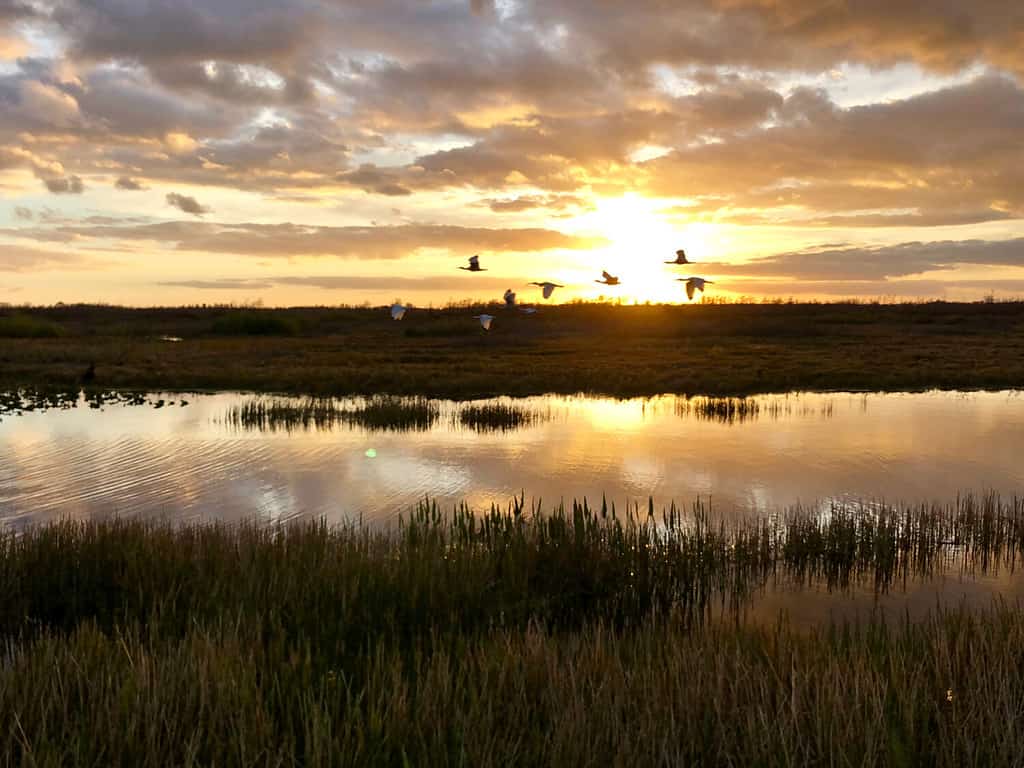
<point x="640" y="240"/>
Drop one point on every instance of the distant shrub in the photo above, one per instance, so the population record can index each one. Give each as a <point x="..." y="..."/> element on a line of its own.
<point x="28" y="327"/>
<point x="254" y="323"/>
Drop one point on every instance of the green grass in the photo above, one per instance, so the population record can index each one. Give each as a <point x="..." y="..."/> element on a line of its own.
<point x="717" y="350"/>
<point x="578" y="637"/>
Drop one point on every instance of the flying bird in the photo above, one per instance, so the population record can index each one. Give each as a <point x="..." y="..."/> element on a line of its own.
<point x="608" y="279"/>
<point x="474" y="265"/>
<point x="547" y="288"/>
<point x="680" y="258"/>
<point x="694" y="284"/>
<point x="398" y="311"/>
<point x="510" y="298"/>
<point x="485" y="320"/>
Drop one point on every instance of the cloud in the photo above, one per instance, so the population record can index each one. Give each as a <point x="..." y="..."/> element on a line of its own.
<point x="533" y="202"/>
<point x="453" y="283"/>
<point x="23" y="213"/>
<point x="858" y="263"/>
<point x="67" y="185"/>
<point x="29" y="259"/>
<point x="186" y="204"/>
<point x="289" y="240"/>
<point x="127" y="183"/>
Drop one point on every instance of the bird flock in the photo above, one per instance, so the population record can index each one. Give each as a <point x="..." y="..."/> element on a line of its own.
<point x="693" y="284"/>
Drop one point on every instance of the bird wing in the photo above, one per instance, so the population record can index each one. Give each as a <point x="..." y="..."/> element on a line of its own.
<point x="474" y="260"/>
<point x="605" y="275"/>
<point x="689" y="289"/>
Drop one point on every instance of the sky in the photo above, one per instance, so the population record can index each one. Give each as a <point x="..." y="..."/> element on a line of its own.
<point x="158" y="152"/>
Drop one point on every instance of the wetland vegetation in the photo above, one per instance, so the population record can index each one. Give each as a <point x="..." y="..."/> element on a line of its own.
<point x="580" y="636"/>
<point x="712" y="349"/>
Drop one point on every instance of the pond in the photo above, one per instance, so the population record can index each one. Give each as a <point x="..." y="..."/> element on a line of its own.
<point x="234" y="456"/>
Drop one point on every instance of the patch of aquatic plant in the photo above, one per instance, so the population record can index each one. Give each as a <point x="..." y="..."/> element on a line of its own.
<point x="727" y="410"/>
<point x="378" y="413"/>
<point x="508" y="637"/>
<point x="462" y="570"/>
<point x="499" y="416"/>
<point x="29" y="400"/>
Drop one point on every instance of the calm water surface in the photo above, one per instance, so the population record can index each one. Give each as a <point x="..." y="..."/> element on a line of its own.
<point x="189" y="462"/>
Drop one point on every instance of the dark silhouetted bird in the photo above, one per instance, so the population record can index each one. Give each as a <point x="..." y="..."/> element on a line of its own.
<point x="474" y="265"/>
<point x="608" y="279"/>
<point x="547" y="288"/>
<point x="680" y="258"/>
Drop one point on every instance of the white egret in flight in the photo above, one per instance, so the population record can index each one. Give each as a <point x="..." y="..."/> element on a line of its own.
<point x="510" y="298"/>
<point x="474" y="265"/>
<point x="680" y="258"/>
<point x="608" y="279"/>
<point x="547" y="288"/>
<point x="694" y="284"/>
<point x="485" y="320"/>
<point x="398" y="311"/>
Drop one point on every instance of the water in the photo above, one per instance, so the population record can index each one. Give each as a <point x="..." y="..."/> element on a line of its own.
<point x="189" y="463"/>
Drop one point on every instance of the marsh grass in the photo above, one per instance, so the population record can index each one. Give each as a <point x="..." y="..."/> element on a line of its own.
<point x="23" y="326"/>
<point x="500" y="416"/>
<point x="502" y="638"/>
<point x="382" y="413"/>
<point x="726" y="410"/>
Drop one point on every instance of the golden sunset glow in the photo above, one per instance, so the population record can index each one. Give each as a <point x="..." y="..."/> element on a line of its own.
<point x="325" y="153"/>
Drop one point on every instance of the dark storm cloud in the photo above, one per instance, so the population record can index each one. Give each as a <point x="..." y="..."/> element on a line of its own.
<point x="171" y="30"/>
<point x="186" y="204"/>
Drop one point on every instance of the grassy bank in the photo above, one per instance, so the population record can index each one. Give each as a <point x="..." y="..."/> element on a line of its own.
<point x="625" y="351"/>
<point x="579" y="637"/>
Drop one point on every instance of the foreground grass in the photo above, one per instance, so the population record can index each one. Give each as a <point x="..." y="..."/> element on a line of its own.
<point x="623" y="351"/>
<point x="946" y="692"/>
<point x="581" y="637"/>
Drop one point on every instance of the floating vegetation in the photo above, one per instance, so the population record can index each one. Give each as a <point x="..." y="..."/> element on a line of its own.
<point x="500" y="416"/>
<point x="28" y="400"/>
<point x="383" y="412"/>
